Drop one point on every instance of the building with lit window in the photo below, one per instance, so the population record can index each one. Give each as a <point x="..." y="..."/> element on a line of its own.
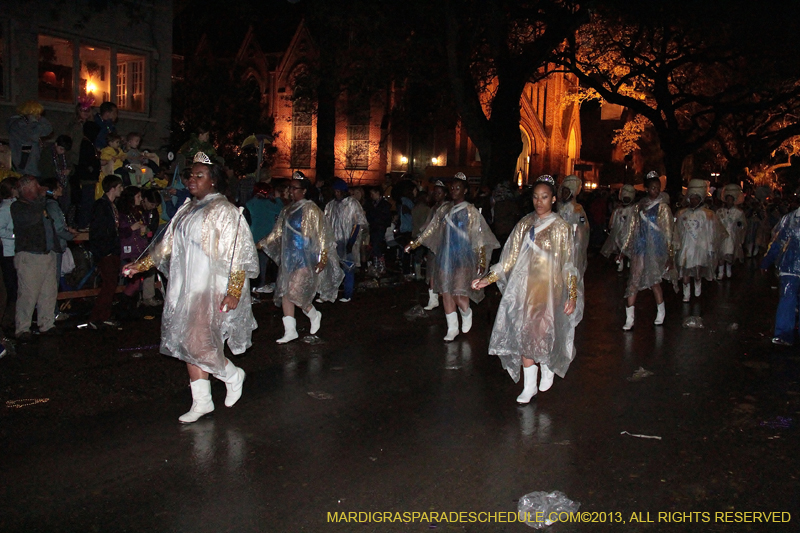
<point x="367" y="147"/>
<point x="121" y="52"/>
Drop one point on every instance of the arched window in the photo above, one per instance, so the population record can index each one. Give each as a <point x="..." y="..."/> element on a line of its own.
<point x="572" y="151"/>
<point x="302" y="119"/>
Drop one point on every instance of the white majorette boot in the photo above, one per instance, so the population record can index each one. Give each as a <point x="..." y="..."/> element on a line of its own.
<point x="452" y="326"/>
<point x="466" y="320"/>
<point x="529" y="389"/>
<point x="316" y="318"/>
<point x="698" y="286"/>
<point x="289" y="330"/>
<point x="234" y="380"/>
<point x="687" y="292"/>
<point x="728" y="269"/>
<point x="628" y="318"/>
<point x="433" y="300"/>
<point x="660" y="314"/>
<point x="547" y="378"/>
<point x="202" y="404"/>
<point x="720" y="272"/>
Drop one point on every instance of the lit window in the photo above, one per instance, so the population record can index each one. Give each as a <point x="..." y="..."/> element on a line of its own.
<point x="95" y="79"/>
<point x="55" y="69"/>
<point x="301" y="133"/>
<point x="58" y="67"/>
<point x="130" y="82"/>
<point x="358" y="136"/>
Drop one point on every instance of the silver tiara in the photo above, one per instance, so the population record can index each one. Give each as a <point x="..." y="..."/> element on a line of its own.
<point x="546" y="179"/>
<point x="460" y="176"/>
<point x="201" y="157"/>
<point x="652" y="174"/>
<point x="297" y="175"/>
<point x="439" y="183"/>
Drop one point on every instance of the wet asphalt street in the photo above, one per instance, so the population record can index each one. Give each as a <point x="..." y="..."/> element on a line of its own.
<point x="383" y="416"/>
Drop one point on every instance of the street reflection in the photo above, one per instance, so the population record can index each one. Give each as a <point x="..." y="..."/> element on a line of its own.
<point x="203" y="442"/>
<point x="534" y="422"/>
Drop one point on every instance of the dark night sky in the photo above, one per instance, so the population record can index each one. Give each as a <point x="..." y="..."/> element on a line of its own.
<point x="225" y="24"/>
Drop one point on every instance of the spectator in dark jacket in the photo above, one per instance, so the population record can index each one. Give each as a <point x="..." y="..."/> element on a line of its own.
<point x="379" y="217"/>
<point x="105" y="247"/>
<point x="36" y="248"/>
<point x="106" y="119"/>
<point x="54" y="163"/>
<point x="87" y="174"/>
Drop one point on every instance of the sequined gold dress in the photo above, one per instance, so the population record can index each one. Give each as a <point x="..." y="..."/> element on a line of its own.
<point x="533" y="275"/>
<point x="197" y="254"/>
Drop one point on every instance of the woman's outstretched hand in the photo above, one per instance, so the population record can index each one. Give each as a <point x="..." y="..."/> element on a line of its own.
<point x="229" y="303"/>
<point x="129" y="270"/>
<point x="569" y="307"/>
<point x="480" y="283"/>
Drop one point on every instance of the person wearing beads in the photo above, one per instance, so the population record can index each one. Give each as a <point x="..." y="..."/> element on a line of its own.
<point x="732" y="217"/>
<point x="647" y="242"/>
<point x="302" y="245"/>
<point x="208" y="254"/>
<point x="460" y="239"/>
<point x="536" y="320"/>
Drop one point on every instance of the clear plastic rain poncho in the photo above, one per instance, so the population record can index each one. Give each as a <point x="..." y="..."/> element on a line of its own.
<point x="733" y="220"/>
<point x="203" y="244"/>
<point x="698" y="241"/>
<point x="300" y="239"/>
<point x="430" y="258"/>
<point x="533" y="275"/>
<point x="618" y="229"/>
<point x="647" y="244"/>
<point x="456" y="234"/>
<point x="343" y="215"/>
<point x="574" y="215"/>
<point x="784" y="250"/>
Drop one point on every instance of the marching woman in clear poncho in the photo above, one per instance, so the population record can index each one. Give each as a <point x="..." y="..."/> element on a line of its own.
<point x="732" y="217"/>
<point x="208" y="254"/>
<point x="536" y="320"/>
<point x="460" y="240"/>
<point x="698" y="239"/>
<point x="303" y="246"/>
<point x="647" y="242"/>
<point x="349" y="222"/>
<point x="618" y="227"/>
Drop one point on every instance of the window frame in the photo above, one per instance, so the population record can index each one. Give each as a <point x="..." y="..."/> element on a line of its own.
<point x="359" y="122"/>
<point x="78" y="42"/>
<point x="296" y="154"/>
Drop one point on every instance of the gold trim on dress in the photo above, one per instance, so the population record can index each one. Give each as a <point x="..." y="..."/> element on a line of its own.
<point x="235" y="284"/>
<point x="144" y="264"/>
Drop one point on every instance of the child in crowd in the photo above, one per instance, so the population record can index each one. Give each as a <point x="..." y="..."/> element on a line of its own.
<point x="145" y="163"/>
<point x="111" y="157"/>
